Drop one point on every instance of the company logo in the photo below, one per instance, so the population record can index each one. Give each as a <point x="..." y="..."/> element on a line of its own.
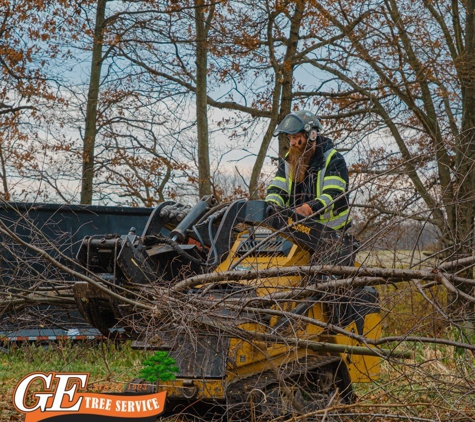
<point x="298" y="227"/>
<point x="42" y="396"/>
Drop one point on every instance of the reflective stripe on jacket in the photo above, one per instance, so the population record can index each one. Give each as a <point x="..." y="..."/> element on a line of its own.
<point x="331" y="184"/>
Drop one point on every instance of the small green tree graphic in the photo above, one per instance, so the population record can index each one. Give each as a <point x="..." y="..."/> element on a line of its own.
<point x="159" y="367"/>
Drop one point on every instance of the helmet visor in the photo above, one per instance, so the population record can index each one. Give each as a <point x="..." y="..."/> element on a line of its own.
<point x="291" y="125"/>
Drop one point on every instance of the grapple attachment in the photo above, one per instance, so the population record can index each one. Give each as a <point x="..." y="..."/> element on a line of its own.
<point x="129" y="264"/>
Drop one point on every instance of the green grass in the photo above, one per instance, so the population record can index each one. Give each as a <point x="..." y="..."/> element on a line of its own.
<point x="437" y="384"/>
<point x="106" y="360"/>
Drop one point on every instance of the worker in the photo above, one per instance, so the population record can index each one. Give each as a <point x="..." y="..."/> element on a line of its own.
<point x="313" y="177"/>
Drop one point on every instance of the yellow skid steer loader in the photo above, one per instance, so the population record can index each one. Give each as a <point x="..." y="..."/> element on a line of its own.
<point x="254" y="337"/>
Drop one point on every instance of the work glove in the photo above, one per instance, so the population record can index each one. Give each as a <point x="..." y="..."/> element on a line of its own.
<point x="304" y="210"/>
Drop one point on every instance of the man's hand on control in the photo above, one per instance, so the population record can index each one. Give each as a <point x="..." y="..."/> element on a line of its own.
<point x="304" y="210"/>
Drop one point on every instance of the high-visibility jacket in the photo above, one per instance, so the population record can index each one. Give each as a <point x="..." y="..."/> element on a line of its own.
<point x="325" y="186"/>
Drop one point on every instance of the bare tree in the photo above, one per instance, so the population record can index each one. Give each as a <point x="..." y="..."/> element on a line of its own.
<point x="90" y="129"/>
<point x="27" y="90"/>
<point x="202" y="23"/>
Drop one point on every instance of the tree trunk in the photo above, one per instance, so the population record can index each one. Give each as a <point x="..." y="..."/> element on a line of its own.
<point x="6" y="193"/>
<point x="288" y="72"/>
<point x="256" y="170"/>
<point x="91" y="111"/>
<point x="465" y="164"/>
<point x="204" y="172"/>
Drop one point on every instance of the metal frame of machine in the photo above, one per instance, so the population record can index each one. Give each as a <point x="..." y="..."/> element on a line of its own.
<point x="245" y="362"/>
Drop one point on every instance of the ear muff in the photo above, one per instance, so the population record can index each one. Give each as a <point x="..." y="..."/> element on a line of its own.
<point x="312" y="136"/>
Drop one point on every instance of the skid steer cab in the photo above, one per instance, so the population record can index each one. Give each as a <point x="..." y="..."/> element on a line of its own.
<point x="253" y="337"/>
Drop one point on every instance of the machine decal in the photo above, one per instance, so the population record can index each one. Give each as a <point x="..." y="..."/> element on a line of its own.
<point x="299" y="227"/>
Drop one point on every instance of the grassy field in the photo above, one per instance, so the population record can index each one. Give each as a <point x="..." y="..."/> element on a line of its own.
<point x="437" y="385"/>
<point x="396" y="259"/>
